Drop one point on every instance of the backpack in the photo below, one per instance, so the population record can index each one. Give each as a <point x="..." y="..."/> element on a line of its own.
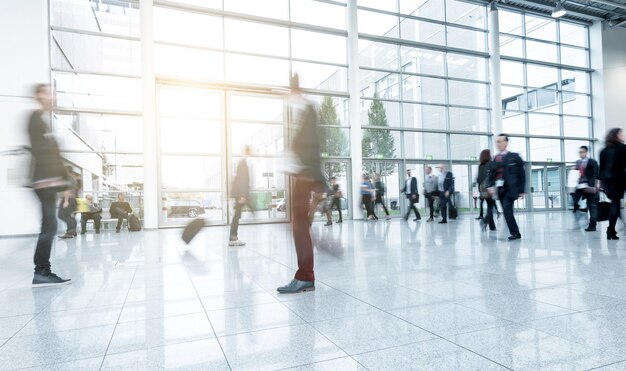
<point x="134" y="224"/>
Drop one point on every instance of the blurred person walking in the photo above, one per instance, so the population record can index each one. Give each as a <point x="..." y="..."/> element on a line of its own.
<point x="336" y="198"/>
<point x="507" y="180"/>
<point x="379" y="186"/>
<point x="367" y="191"/>
<point x="446" y="190"/>
<point x="587" y="188"/>
<point x="241" y="194"/>
<point x="48" y="177"/>
<point x="411" y="192"/>
<point x="68" y="205"/>
<point x="613" y="175"/>
<point x="481" y="181"/>
<point x="430" y="191"/>
<point x="307" y="174"/>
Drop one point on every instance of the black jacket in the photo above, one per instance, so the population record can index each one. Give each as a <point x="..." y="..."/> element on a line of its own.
<point x="612" y="170"/>
<point x="306" y="144"/>
<point x="591" y="172"/>
<point x="448" y="183"/>
<point x="46" y="158"/>
<point x="118" y="209"/>
<point x="241" y="184"/>
<point x="413" y="191"/>
<point x="514" y="174"/>
<point x="483" y="174"/>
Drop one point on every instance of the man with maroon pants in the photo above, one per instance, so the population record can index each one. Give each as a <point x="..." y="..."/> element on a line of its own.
<point x="308" y="175"/>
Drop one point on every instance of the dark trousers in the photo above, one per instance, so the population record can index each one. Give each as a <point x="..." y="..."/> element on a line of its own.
<point x="592" y="205"/>
<point x="443" y="206"/>
<point x="301" y="229"/>
<point x="480" y="203"/>
<point x="430" y="197"/>
<point x="507" y="199"/>
<point x="48" y="230"/>
<point x="120" y="220"/>
<point x="336" y="202"/>
<point x="412" y="202"/>
<point x="491" y="205"/>
<point x="381" y="200"/>
<point x="87" y="216"/>
<point x="367" y="201"/>
<point x="67" y="215"/>
<point x="234" y="225"/>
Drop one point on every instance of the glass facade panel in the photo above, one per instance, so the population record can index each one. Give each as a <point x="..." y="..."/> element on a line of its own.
<point x="467" y="14"/>
<point x="424" y="89"/>
<point x="467" y="93"/>
<point x="318" y="13"/>
<point x="260" y="38"/>
<point x="422" y="61"/>
<point x="469" y="119"/>
<point x="545" y="150"/>
<point x="424" y="116"/>
<point x="433" y="9"/>
<point x="201" y="30"/>
<point x="425" y="145"/>
<point x="539" y="124"/>
<point x="541" y="51"/>
<point x="463" y="38"/>
<point x="422" y="31"/>
<point x="466" y="67"/>
<point x="175" y="61"/>
<point x="467" y="147"/>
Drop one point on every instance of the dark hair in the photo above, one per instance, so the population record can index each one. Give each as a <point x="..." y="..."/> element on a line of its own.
<point x="585" y="148"/>
<point x="612" y="137"/>
<point x="333" y="178"/>
<point x="37" y="88"/>
<point x="506" y="137"/>
<point x="429" y="167"/>
<point x="485" y="156"/>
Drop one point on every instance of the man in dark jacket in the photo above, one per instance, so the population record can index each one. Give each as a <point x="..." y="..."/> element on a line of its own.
<point x="588" y="169"/>
<point x="507" y="179"/>
<point x="308" y="175"/>
<point x="446" y="191"/>
<point x="49" y="177"/>
<point x="120" y="210"/>
<point x="241" y="193"/>
<point x="411" y="193"/>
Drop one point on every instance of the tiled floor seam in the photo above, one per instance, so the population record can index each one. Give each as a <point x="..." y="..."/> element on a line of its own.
<point x="315" y="363"/>
<point x="609" y="364"/>
<point x="118" y="321"/>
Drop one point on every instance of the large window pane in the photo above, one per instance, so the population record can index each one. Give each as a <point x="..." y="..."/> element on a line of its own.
<point x="201" y="30"/>
<point x="257" y="70"/>
<point x="576" y="104"/>
<point x="390" y="6"/>
<point x="100" y="133"/>
<point x="317" y="46"/>
<point x="380" y="143"/>
<point x="259" y="38"/>
<point x="576" y="126"/>
<point x="422" y="31"/>
<point x="573" y="34"/>
<point x="424" y="89"/>
<point x="575" y="81"/>
<point x="512" y="46"/>
<point x="461" y="12"/>
<point x="467" y="93"/>
<point x="422" y="61"/>
<point x="265" y="139"/>
<point x="380" y="84"/>
<point x="543" y="100"/>
<point x="108" y="171"/>
<point x="466" y="67"/>
<point x="390" y="109"/>
<point x="510" y="22"/>
<point x="466" y="119"/>
<point x="191" y="103"/>
<point x="335" y="141"/>
<point x="433" y="9"/>
<point x="321" y="76"/>
<point x="544" y="124"/>
<point x="333" y="110"/>
<point x="318" y="13"/>
<point x="378" y="55"/>
<point x="513" y="100"/>
<point x="514" y="124"/>
<point x="572" y="147"/>
<point x="97" y="92"/>
<point x="182" y="207"/>
<point x="268" y="8"/>
<point x="574" y="56"/>
<point x="541" y="51"/>
<point x="545" y="150"/>
<point x="518" y="145"/>
<point x="120" y="17"/>
<point x="256" y="108"/>
<point x="206" y="172"/>
<point x="540" y="28"/>
<point x="425" y="146"/>
<point x="377" y="24"/>
<point x="179" y="135"/>
<point x="542" y="77"/>
<point x="96" y="53"/>
<point x="512" y="73"/>
<point x="424" y="116"/>
<point x="464" y="147"/>
<point x="466" y="39"/>
<point x="182" y="62"/>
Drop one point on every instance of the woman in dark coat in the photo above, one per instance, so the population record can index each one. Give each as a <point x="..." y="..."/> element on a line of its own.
<point x="481" y="180"/>
<point x="613" y="175"/>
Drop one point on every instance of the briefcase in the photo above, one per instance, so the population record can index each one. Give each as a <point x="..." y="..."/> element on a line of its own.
<point x="192" y="229"/>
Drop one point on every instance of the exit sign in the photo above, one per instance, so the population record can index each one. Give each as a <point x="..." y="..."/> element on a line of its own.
<point x="429" y="157"/>
<point x="473" y="158"/>
<point x="549" y="159"/>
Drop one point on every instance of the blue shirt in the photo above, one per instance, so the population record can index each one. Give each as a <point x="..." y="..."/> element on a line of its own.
<point x="367" y="185"/>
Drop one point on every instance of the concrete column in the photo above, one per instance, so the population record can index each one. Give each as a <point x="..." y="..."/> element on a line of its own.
<point x="355" y="109"/>
<point x="494" y="70"/>
<point x="150" y="186"/>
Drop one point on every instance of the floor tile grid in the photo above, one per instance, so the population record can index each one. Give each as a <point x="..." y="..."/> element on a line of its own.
<point x="423" y="329"/>
<point x="5" y="341"/>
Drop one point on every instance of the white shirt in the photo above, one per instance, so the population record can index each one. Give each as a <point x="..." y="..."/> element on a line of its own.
<point x="408" y="185"/>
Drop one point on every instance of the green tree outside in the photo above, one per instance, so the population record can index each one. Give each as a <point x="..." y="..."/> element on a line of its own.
<point x="378" y="143"/>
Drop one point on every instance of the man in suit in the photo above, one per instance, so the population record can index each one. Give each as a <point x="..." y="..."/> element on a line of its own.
<point x="446" y="190"/>
<point x="94" y="213"/>
<point x="241" y="193"/>
<point x="411" y="192"/>
<point x="507" y="179"/>
<point x="587" y="189"/>
<point x="120" y="209"/>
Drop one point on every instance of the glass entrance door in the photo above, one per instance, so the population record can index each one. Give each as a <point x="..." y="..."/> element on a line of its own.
<point x="546" y="186"/>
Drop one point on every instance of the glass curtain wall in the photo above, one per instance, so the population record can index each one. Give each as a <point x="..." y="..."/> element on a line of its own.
<point x="423" y="83"/>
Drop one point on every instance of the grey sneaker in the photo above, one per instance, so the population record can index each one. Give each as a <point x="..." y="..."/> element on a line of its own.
<point x="236" y="243"/>
<point x="296" y="286"/>
<point x="49" y="279"/>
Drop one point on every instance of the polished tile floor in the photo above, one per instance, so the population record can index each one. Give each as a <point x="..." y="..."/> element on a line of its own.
<point x="390" y="296"/>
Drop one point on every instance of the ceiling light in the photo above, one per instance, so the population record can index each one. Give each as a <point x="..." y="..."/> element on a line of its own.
<point x="559" y="10"/>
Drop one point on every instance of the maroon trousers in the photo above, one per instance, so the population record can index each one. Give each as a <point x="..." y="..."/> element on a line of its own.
<point x="302" y="229"/>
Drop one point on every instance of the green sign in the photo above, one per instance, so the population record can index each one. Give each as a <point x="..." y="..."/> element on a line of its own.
<point x="324" y="154"/>
<point x="549" y="159"/>
<point x="379" y="156"/>
<point x="429" y="157"/>
<point x="473" y="158"/>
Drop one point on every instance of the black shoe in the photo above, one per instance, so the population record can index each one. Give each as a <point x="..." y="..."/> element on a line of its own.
<point x="479" y="218"/>
<point x="49" y="279"/>
<point x="574" y="211"/>
<point x="83" y="232"/>
<point x="328" y="223"/>
<point x="590" y="229"/>
<point x="430" y="219"/>
<point x="296" y="286"/>
<point x="611" y="235"/>
<point x="339" y="221"/>
<point x="515" y="237"/>
<point x="66" y="236"/>
<point x="443" y="222"/>
<point x="117" y="231"/>
<point x="416" y="219"/>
